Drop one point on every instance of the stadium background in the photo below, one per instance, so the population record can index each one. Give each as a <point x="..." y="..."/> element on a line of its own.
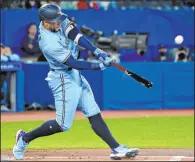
<point x="173" y="81"/>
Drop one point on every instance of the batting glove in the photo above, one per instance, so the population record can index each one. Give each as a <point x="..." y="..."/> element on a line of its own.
<point x="103" y="56"/>
<point x="100" y="54"/>
<point x="102" y="66"/>
<point x="107" y="62"/>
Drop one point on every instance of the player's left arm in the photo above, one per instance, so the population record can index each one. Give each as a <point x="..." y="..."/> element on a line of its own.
<point x="73" y="33"/>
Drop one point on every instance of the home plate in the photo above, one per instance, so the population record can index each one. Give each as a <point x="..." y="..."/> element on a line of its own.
<point x="7" y="158"/>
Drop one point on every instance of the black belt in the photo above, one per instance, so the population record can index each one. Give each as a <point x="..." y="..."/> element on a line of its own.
<point x="69" y="69"/>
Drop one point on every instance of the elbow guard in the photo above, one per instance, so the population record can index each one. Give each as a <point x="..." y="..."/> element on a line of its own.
<point x="73" y="33"/>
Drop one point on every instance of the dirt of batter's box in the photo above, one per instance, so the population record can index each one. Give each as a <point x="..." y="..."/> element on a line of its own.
<point x="106" y="152"/>
<point x="101" y="155"/>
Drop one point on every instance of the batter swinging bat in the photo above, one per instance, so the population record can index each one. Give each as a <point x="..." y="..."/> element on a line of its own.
<point x="141" y="80"/>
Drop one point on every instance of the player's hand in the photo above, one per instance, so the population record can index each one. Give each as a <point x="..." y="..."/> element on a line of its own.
<point x="102" y="66"/>
<point x="106" y="63"/>
<point x="100" y="54"/>
<point x="103" y="56"/>
<point x="99" y="51"/>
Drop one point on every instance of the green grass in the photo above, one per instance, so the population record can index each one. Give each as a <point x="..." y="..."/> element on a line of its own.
<point x="145" y="132"/>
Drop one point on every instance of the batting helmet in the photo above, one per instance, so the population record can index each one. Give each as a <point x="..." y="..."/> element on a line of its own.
<point x="51" y="13"/>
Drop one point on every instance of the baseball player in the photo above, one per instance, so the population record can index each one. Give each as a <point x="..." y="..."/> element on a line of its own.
<point x="59" y="39"/>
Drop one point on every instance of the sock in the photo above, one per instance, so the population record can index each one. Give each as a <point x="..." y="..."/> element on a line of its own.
<point x="48" y="128"/>
<point x="100" y="128"/>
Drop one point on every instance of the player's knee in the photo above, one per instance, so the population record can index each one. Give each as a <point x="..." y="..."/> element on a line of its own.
<point x="65" y="127"/>
<point x="64" y="124"/>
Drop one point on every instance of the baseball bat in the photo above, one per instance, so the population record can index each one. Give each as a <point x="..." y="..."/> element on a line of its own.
<point x="138" y="78"/>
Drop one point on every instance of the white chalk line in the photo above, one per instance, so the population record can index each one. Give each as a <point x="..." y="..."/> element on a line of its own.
<point x="177" y="158"/>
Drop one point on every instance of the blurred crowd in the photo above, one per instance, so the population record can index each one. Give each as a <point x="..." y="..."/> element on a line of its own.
<point x="89" y="4"/>
<point x="30" y="49"/>
<point x="6" y="55"/>
<point x="180" y="54"/>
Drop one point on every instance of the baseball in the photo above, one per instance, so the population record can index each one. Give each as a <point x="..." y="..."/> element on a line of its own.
<point x="179" y="39"/>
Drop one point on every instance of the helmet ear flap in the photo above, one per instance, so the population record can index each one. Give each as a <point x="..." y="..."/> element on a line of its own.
<point x="46" y="25"/>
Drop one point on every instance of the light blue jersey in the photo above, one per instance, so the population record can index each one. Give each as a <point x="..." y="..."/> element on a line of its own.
<point x="56" y="46"/>
<point x="70" y="89"/>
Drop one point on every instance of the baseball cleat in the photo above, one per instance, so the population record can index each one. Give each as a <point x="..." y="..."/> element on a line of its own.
<point x="123" y="152"/>
<point x="20" y="145"/>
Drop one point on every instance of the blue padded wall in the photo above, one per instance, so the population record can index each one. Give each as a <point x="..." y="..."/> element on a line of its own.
<point x="173" y="86"/>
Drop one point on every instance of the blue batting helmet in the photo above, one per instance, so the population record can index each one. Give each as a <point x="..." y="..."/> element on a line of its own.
<point x="51" y="13"/>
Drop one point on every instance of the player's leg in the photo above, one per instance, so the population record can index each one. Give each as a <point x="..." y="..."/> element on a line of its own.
<point x="66" y="94"/>
<point x="92" y="112"/>
<point x="66" y="109"/>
